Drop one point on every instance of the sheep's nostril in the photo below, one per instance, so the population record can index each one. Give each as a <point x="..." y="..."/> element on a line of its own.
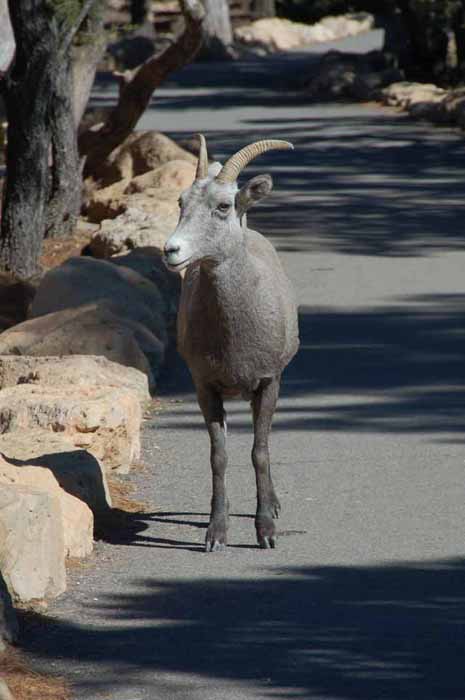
<point x="172" y="249"/>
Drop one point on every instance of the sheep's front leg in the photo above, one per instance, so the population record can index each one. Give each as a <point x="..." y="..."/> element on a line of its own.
<point x="211" y="405"/>
<point x="268" y="506"/>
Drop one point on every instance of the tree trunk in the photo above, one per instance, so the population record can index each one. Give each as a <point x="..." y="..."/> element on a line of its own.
<point x="139" y="12"/>
<point x="137" y="89"/>
<point x="85" y="57"/>
<point x="42" y="192"/>
<point x="458" y="28"/>
<point x="264" y="8"/>
<point x="65" y="187"/>
<point x="7" y="40"/>
<point x="217" y="30"/>
<point x="27" y="95"/>
<point x="73" y="80"/>
<point x="426" y="26"/>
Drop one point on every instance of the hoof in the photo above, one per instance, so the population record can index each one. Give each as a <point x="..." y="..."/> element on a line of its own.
<point x="215" y="546"/>
<point x="266" y="535"/>
<point x="216" y="539"/>
<point x="267" y="542"/>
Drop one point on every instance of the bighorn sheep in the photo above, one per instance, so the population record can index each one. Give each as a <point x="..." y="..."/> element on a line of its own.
<point x="237" y="321"/>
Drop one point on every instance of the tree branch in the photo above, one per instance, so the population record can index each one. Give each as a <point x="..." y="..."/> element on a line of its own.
<point x="69" y="36"/>
<point x="135" y="94"/>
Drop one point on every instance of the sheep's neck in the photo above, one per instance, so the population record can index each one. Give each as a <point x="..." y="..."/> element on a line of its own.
<point x="228" y="293"/>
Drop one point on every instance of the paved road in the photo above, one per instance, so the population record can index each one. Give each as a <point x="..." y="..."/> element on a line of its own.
<point x="364" y="598"/>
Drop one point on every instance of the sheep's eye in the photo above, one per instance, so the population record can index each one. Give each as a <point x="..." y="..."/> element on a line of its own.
<point x="180" y="202"/>
<point x="223" y="207"/>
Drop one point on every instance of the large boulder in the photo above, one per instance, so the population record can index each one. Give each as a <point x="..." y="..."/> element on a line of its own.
<point x="276" y="34"/>
<point x="76" y="518"/>
<point x="350" y="75"/>
<point x="150" y="149"/>
<point x="135" y="228"/>
<point x="80" y="370"/>
<point x="149" y="165"/>
<point x="84" y="280"/>
<point x="32" y="547"/>
<point x="5" y="693"/>
<point x="404" y="94"/>
<point x="77" y="471"/>
<point x="140" y="152"/>
<point x="90" y="329"/>
<point x="175" y="175"/>
<point x="105" y="202"/>
<point x="104" y="421"/>
<point x="105" y="205"/>
<point x="445" y="109"/>
<point x="8" y="621"/>
<point x="15" y="300"/>
<point x="147" y="262"/>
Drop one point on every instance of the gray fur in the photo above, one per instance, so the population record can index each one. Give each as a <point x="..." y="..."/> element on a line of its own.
<point x="237" y="328"/>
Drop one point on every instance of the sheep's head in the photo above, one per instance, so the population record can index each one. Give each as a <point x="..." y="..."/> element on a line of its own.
<point x="212" y="209"/>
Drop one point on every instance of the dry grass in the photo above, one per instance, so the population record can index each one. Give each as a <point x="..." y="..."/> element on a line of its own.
<point x="57" y="250"/>
<point x="30" y="685"/>
<point x="121" y="496"/>
<point x="122" y="521"/>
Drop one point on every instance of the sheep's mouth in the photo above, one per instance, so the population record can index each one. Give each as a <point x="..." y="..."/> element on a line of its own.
<point x="178" y="266"/>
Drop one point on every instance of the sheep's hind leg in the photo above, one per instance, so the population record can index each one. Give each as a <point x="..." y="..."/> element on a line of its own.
<point x="211" y="405"/>
<point x="268" y="506"/>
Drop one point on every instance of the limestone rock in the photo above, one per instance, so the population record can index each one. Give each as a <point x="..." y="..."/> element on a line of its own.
<point x="140" y="152"/>
<point x="104" y="421"/>
<point x="84" y="280"/>
<point x="350" y="75"/>
<point x="8" y="621"/>
<point x="176" y="174"/>
<point x="147" y="261"/>
<point x="76" y="518"/>
<point x="447" y="110"/>
<point x="106" y="202"/>
<point x="404" y="94"/>
<point x="90" y="329"/>
<point x="15" y="299"/>
<point x="134" y="229"/>
<point x="77" y="471"/>
<point x="276" y="34"/>
<point x="5" y="693"/>
<point x="32" y="548"/>
<point x="150" y="149"/>
<point x="81" y="370"/>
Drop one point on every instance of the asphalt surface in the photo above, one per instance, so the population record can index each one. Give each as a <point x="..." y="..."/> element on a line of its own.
<point x="364" y="598"/>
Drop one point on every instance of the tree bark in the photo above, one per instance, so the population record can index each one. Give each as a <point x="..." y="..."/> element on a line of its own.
<point x="85" y="57"/>
<point x="264" y="8"/>
<point x="27" y="94"/>
<point x="7" y="40"/>
<point x="217" y="30"/>
<point x="65" y="183"/>
<point x="42" y="193"/>
<point x="139" y="12"/>
<point x="427" y="38"/>
<point x="458" y="28"/>
<point x="137" y="89"/>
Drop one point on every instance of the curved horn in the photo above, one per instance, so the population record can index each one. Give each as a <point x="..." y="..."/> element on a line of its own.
<point x="233" y="166"/>
<point x="202" y="164"/>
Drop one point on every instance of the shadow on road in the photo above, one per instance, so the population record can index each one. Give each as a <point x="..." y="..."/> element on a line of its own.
<point x="359" y="184"/>
<point x="403" y="365"/>
<point x="390" y="631"/>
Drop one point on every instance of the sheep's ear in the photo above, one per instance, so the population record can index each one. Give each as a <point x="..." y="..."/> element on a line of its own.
<point x="254" y="190"/>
